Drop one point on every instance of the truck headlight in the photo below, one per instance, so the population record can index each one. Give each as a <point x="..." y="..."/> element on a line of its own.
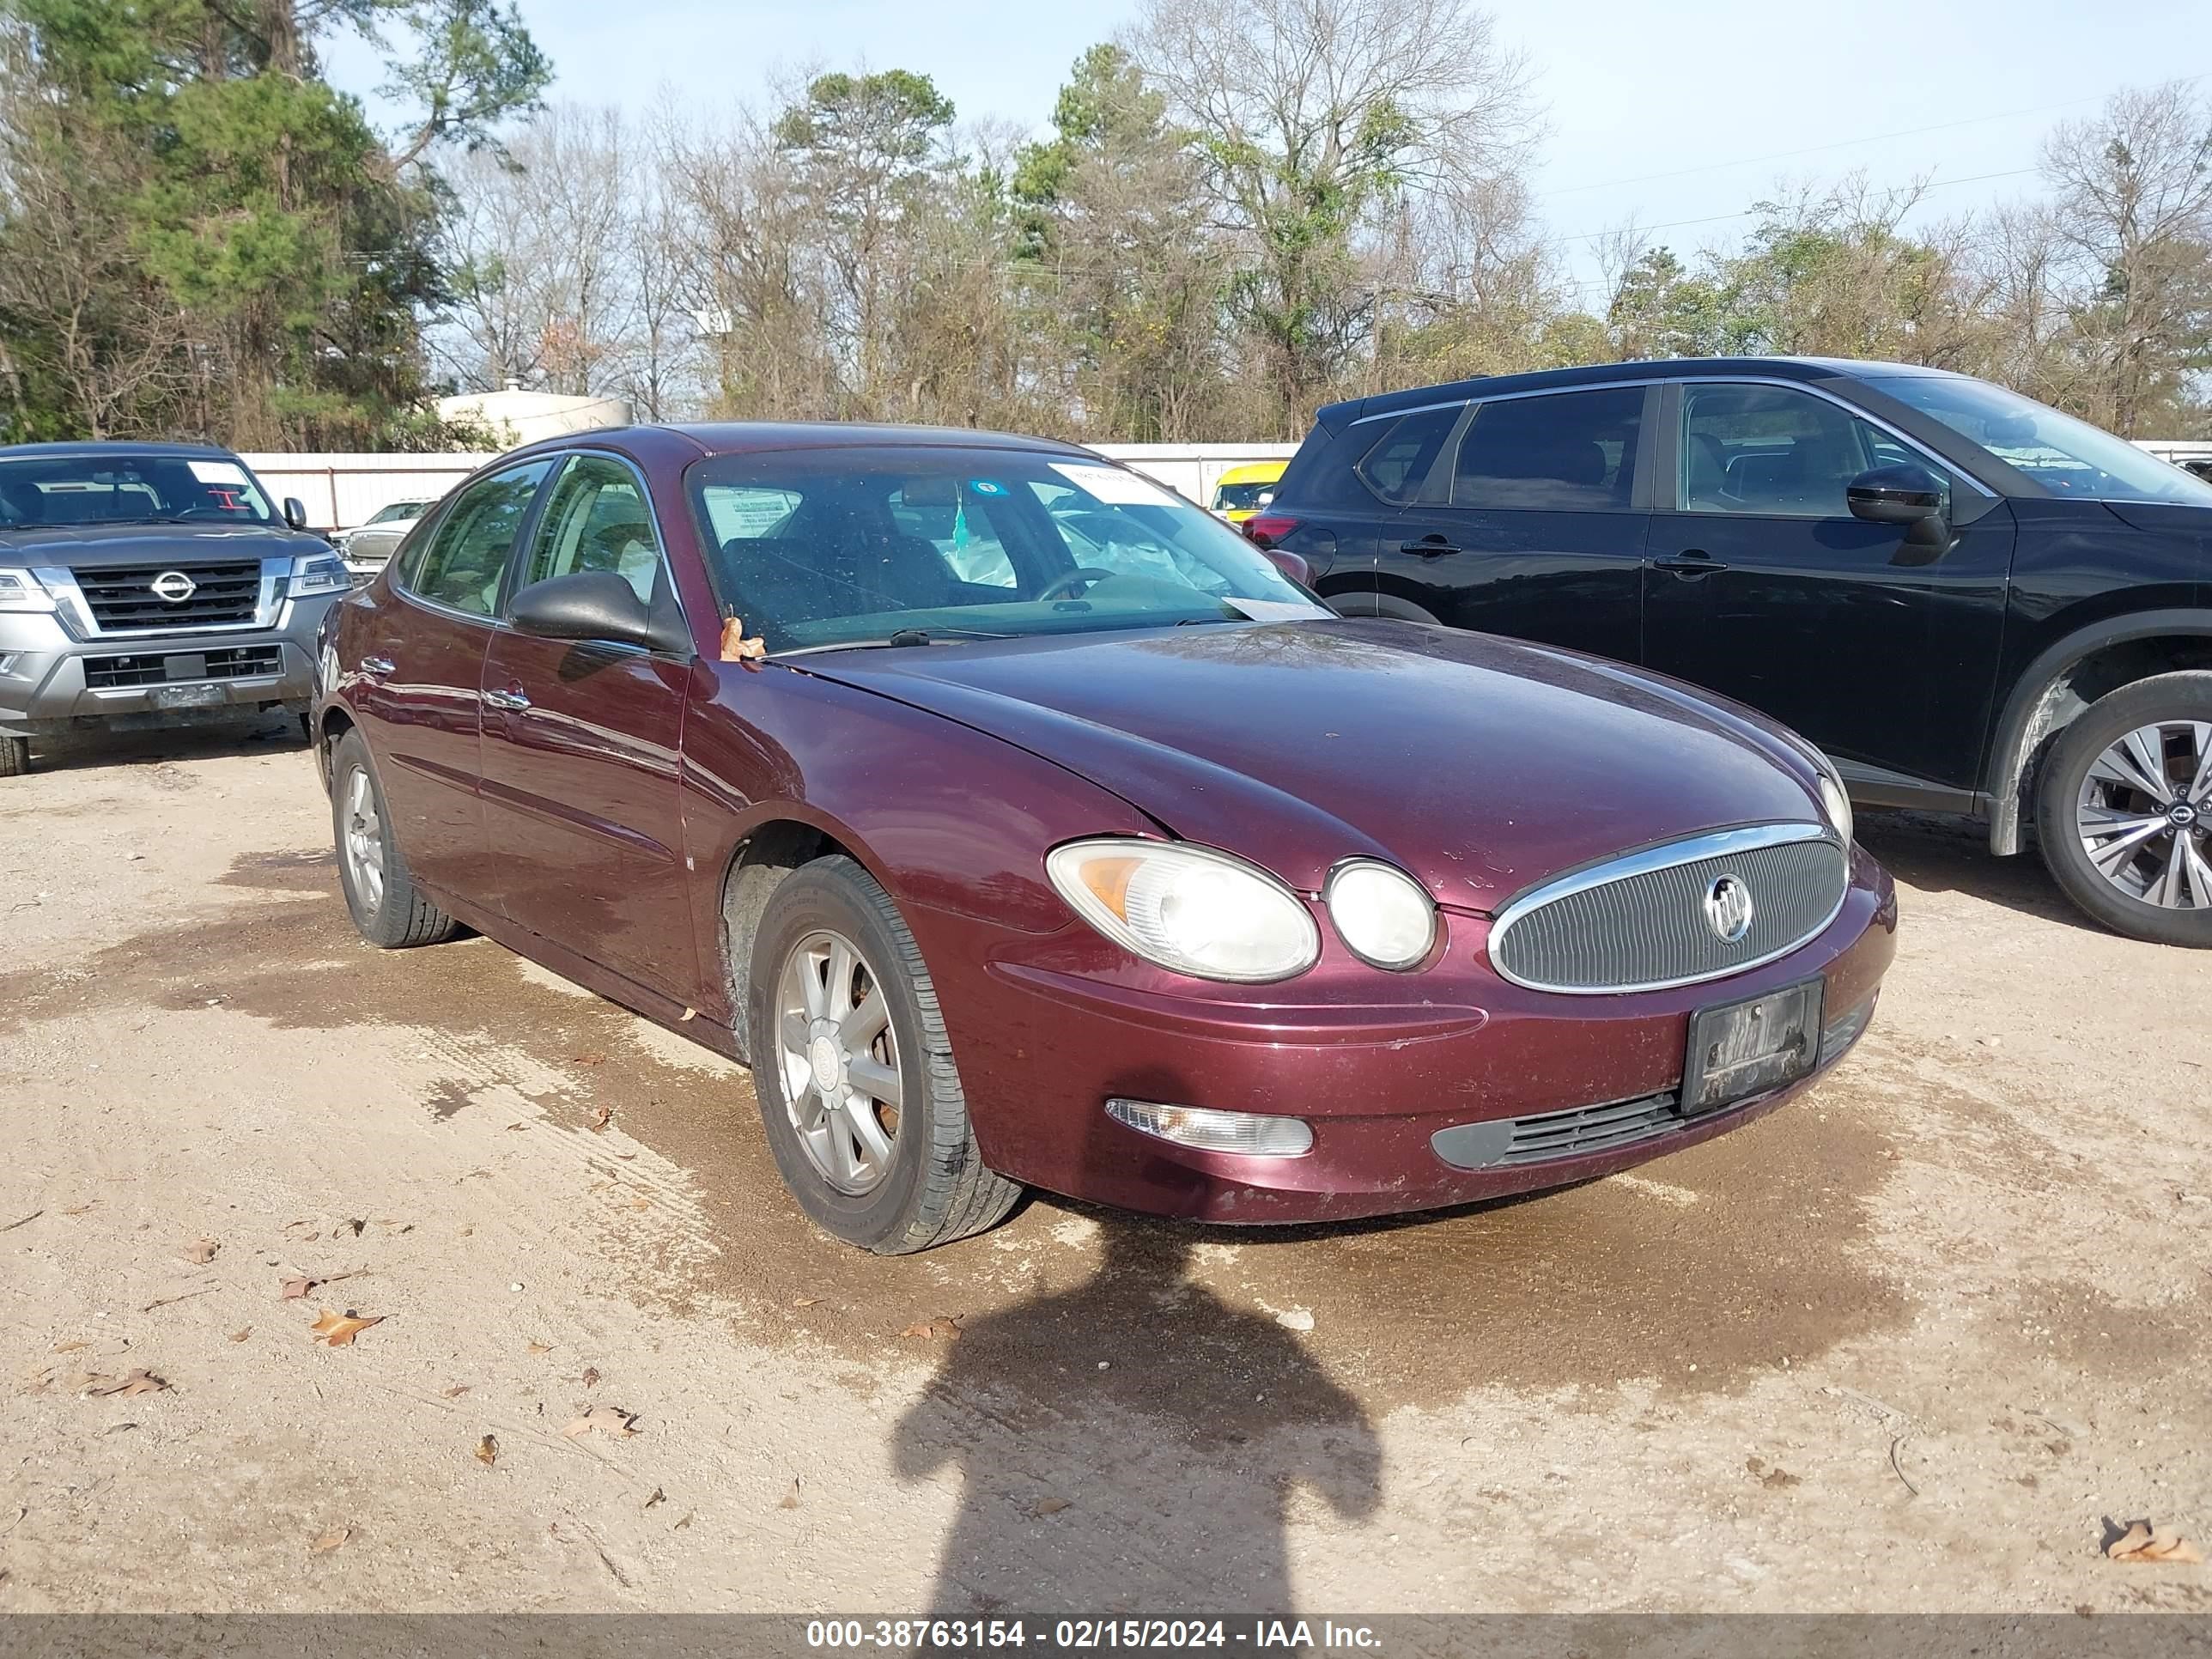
<point x="1188" y="909"/>
<point x="20" y="590"/>
<point x="319" y="573"/>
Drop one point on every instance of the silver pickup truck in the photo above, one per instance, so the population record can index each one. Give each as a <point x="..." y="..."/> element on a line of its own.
<point x="150" y="584"/>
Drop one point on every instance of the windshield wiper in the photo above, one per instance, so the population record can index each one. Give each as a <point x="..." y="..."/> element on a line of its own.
<point x="902" y="637"/>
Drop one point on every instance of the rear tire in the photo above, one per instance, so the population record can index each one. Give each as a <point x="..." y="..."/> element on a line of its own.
<point x="14" y="756"/>
<point x="388" y="909"/>
<point x="853" y="1070"/>
<point x="2123" y="809"/>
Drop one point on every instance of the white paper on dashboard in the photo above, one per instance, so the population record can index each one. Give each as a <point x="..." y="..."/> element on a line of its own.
<point x="1115" y="487"/>
<point x="1279" y="610"/>
<point x="223" y="472"/>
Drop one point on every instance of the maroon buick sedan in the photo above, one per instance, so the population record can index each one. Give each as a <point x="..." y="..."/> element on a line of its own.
<point x="1019" y="823"/>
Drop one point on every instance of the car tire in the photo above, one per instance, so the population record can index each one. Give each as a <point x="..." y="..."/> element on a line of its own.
<point x="388" y="908"/>
<point x="2096" y="785"/>
<point x="14" y="756"/>
<point x="893" y="1165"/>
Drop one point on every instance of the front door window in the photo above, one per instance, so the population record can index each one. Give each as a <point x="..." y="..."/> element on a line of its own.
<point x="1774" y="452"/>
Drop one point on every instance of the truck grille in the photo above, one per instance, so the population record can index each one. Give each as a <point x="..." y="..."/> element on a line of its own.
<point x="122" y="598"/>
<point x="1647" y="920"/>
<point x="240" y="663"/>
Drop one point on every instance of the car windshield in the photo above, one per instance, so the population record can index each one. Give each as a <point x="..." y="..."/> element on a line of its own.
<point x="121" y="488"/>
<point x="2065" y="456"/>
<point x="814" y="548"/>
<point x="1240" y="497"/>
<point x="398" y="510"/>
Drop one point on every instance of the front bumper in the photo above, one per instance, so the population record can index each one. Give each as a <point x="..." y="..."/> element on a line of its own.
<point x="53" y="682"/>
<point x="1042" y="1044"/>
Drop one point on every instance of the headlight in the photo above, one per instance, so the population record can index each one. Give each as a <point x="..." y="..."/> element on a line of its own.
<point x="1381" y="913"/>
<point x="1838" y="806"/>
<point x="319" y="573"/>
<point x="1190" y="908"/>
<point x="20" y="590"/>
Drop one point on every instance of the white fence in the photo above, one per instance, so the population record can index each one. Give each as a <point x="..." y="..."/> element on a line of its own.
<point x="340" y="491"/>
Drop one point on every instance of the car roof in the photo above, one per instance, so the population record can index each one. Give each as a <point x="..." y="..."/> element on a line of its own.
<point x="745" y="437"/>
<point x="92" y="449"/>
<point x="1335" y="416"/>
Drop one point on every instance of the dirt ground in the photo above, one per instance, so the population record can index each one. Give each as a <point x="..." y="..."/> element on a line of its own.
<point x="1910" y="1343"/>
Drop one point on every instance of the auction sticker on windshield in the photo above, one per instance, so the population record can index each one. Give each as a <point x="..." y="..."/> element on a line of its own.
<point x="1111" y="485"/>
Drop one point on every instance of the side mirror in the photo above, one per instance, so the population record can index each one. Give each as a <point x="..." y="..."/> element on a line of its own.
<point x="1290" y="564"/>
<point x="1895" y="495"/>
<point x="594" y="606"/>
<point x="295" y="513"/>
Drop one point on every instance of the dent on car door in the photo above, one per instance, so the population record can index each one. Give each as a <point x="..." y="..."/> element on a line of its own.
<point x="1534" y="527"/>
<point x="419" y="675"/>
<point x="1880" y="646"/>
<point x="582" y="739"/>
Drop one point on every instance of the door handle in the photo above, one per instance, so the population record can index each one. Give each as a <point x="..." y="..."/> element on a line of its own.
<point x="1428" y="547"/>
<point x="1693" y="564"/>
<point x="377" y="667"/>
<point x="513" y="700"/>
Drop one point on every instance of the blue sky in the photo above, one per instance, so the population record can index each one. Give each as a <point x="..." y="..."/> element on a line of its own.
<point x="1714" y="93"/>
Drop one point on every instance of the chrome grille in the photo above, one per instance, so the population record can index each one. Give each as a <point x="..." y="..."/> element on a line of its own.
<point x="1641" y="922"/>
<point x="122" y="599"/>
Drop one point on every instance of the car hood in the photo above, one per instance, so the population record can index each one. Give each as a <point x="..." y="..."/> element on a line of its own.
<point x="1479" y="764"/>
<point x="87" y="545"/>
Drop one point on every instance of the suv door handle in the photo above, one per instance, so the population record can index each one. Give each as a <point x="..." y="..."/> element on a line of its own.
<point x="1693" y="564"/>
<point x="516" y="700"/>
<point x="377" y="667"/>
<point x="1428" y="547"/>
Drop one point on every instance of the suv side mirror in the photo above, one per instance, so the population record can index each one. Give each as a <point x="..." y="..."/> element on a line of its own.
<point x="1910" y="495"/>
<point x="590" y="606"/>
<point x="295" y="513"/>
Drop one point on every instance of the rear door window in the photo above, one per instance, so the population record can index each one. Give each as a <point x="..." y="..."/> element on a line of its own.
<point x="1574" y="452"/>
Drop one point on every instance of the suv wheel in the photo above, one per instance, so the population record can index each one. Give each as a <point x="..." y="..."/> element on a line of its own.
<point x="2124" y="811"/>
<point x="14" y="756"/>
<point x="853" y="1070"/>
<point x="387" y="909"/>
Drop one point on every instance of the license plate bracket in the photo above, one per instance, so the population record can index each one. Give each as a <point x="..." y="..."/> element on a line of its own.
<point x="186" y="697"/>
<point x="1738" y="1049"/>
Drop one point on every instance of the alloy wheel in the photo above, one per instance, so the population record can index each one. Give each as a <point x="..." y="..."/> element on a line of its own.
<point x="2144" y="815"/>
<point x="364" y="839"/>
<point x="842" y="1084"/>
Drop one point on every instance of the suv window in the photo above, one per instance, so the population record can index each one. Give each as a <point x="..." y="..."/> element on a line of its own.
<point x="1575" y="452"/>
<point x="461" y="565"/>
<point x="1398" y="461"/>
<point x="596" y="519"/>
<point x="1776" y="451"/>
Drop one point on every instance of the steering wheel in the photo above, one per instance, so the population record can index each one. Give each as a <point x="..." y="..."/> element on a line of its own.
<point x="1064" y="588"/>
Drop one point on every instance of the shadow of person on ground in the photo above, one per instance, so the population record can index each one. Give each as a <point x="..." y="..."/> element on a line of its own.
<point x="1132" y="1445"/>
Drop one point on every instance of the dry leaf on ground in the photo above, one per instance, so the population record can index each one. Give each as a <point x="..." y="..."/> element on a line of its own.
<point x="610" y="1421"/>
<point x="946" y="1328"/>
<point x="337" y="1330"/>
<point x="330" y="1540"/>
<point x="790" y="1499"/>
<point x="590" y="1376"/>
<point x="240" y="1335"/>
<point x="457" y="1391"/>
<point x="80" y="1209"/>
<point x="601" y="1118"/>
<point x="804" y="1301"/>
<point x="541" y="1347"/>
<point x="1051" y="1505"/>
<point x="137" y="1383"/>
<point x="200" y="1251"/>
<point x="588" y="1060"/>
<point x="293" y="1289"/>
<point x="69" y="1347"/>
<point x="658" y="1497"/>
<point x="487" y="1450"/>
<point x="2144" y="1542"/>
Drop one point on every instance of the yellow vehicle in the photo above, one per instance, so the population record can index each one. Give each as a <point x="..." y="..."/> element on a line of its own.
<point x="1243" y="490"/>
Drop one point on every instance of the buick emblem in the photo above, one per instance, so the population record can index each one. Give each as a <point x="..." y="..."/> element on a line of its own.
<point x="1727" y="909"/>
<point x="173" y="585"/>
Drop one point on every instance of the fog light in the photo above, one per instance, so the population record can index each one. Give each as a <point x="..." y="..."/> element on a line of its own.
<point x="1210" y="1131"/>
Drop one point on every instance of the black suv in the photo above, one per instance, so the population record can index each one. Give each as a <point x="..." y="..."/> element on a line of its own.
<point x="1973" y="603"/>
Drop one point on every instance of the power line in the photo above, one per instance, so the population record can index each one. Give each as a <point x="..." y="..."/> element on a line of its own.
<point x="1720" y="218"/>
<point x="1840" y="143"/>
